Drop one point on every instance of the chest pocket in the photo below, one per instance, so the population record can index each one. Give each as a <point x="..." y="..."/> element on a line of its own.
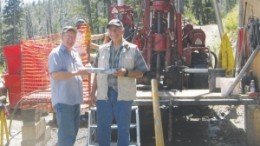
<point x="103" y="59"/>
<point x="128" y="60"/>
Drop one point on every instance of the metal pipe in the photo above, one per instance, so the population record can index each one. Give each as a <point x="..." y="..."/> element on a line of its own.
<point x="158" y="66"/>
<point x="219" y="21"/>
<point x="243" y="70"/>
<point x="159" y="22"/>
<point x="241" y="44"/>
<point x="170" y="122"/>
<point x="237" y="54"/>
<point x="138" y="135"/>
<point x="240" y="9"/>
<point x="120" y="2"/>
<point x="151" y="19"/>
<point x="179" y="31"/>
<point x="195" y="70"/>
<point x="179" y="6"/>
<point x="169" y="20"/>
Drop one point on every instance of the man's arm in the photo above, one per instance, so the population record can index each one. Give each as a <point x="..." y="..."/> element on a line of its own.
<point x="94" y="45"/>
<point x="97" y="36"/>
<point x="127" y="73"/>
<point x="61" y="75"/>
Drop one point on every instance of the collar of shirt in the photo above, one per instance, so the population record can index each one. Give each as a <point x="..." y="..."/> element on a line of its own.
<point x="124" y="44"/>
<point x="62" y="47"/>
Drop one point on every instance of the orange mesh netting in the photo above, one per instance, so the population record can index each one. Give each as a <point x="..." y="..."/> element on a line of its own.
<point x="34" y="73"/>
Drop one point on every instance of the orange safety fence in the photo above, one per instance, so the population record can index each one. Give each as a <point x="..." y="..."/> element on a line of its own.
<point x="32" y="89"/>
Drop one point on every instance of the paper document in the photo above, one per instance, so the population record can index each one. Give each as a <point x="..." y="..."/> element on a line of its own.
<point x="101" y="70"/>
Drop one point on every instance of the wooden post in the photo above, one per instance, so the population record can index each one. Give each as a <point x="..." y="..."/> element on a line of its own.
<point x="157" y="114"/>
<point x="252" y="120"/>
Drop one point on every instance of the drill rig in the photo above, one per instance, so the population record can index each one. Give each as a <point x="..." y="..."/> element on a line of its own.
<point x="175" y="52"/>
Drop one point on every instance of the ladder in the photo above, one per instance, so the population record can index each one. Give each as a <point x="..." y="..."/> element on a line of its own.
<point x="134" y="128"/>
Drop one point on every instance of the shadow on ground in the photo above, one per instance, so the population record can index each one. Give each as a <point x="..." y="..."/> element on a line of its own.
<point x="193" y="126"/>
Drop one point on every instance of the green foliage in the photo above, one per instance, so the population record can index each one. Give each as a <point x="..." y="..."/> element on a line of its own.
<point x="2" y="69"/>
<point x="202" y="12"/>
<point x="227" y="5"/>
<point x="231" y="21"/>
<point x="12" y="27"/>
<point x="202" y="9"/>
<point x="215" y="46"/>
<point x="2" y="61"/>
<point x="190" y="17"/>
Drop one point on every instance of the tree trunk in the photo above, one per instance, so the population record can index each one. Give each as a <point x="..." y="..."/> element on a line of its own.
<point x="89" y="14"/>
<point x="227" y="6"/>
<point x="96" y="13"/>
<point x="50" y="16"/>
<point x="108" y="6"/>
<point x="29" y="27"/>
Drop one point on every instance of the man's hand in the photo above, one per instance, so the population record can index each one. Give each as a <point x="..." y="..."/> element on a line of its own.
<point x="120" y="72"/>
<point x="88" y="65"/>
<point x="106" y="34"/>
<point x="82" y="72"/>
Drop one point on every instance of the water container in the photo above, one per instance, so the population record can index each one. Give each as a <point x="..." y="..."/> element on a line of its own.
<point x="212" y="74"/>
<point x="252" y="86"/>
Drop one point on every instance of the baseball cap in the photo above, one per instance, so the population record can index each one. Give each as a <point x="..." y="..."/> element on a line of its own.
<point x="115" y="22"/>
<point x="69" y="28"/>
<point x="80" y="21"/>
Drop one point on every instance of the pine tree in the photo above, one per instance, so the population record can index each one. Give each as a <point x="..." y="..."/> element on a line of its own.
<point x="12" y="19"/>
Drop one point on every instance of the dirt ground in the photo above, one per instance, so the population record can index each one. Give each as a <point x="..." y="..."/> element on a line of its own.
<point x="201" y="126"/>
<point x="192" y="126"/>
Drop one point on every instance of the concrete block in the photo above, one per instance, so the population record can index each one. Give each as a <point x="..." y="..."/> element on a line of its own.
<point x="30" y="116"/>
<point x="47" y="135"/>
<point x="224" y="83"/>
<point x="33" y="132"/>
<point x="35" y="142"/>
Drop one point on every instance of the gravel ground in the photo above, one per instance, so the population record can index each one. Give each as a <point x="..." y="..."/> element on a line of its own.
<point x="214" y="126"/>
<point x="201" y="126"/>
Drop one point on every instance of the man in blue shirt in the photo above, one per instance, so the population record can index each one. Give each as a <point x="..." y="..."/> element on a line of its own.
<point x="66" y="70"/>
<point x="114" y="93"/>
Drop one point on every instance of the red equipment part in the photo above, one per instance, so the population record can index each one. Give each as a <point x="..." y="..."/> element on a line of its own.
<point x="13" y="59"/>
<point x="165" y="46"/>
<point x="193" y="40"/>
<point x="123" y="13"/>
<point x="159" y="42"/>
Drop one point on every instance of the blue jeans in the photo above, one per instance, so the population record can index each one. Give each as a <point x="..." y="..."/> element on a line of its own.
<point x="106" y="110"/>
<point x="68" y="120"/>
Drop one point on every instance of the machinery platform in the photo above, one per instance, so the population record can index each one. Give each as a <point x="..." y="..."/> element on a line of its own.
<point x="184" y="97"/>
<point x="195" y="97"/>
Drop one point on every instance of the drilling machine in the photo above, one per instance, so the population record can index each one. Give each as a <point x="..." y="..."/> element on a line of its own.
<point x="175" y="52"/>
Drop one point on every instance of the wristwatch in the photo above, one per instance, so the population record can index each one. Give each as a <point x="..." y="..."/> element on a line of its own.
<point x="126" y="73"/>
